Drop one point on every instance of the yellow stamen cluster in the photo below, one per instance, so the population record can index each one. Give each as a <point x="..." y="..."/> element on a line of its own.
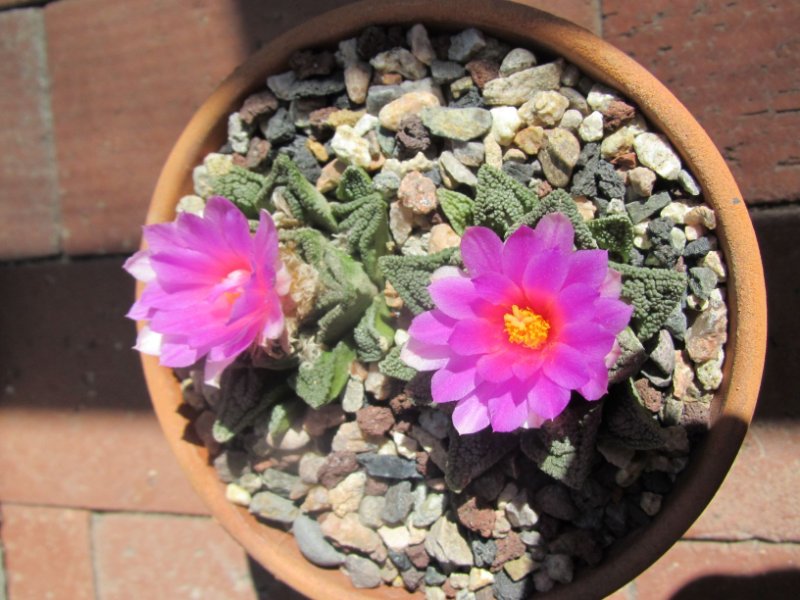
<point x="525" y="327"/>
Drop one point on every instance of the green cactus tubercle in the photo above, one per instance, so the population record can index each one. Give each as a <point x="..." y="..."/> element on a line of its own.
<point x="500" y="200"/>
<point x="246" y="189"/>
<point x="320" y="381"/>
<point x="345" y="291"/>
<point x="615" y="234"/>
<point x="307" y="204"/>
<point x="393" y="366"/>
<point x="559" y="201"/>
<point x="374" y="334"/>
<point x="654" y="294"/>
<point x="411" y="275"/>
<point x="364" y="219"/>
<point x="457" y="207"/>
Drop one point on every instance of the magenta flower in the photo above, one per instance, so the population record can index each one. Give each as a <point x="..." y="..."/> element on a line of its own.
<point x="213" y="289"/>
<point x="531" y="321"/>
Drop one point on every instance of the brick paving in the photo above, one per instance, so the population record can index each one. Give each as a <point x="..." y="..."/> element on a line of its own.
<point x="92" y="504"/>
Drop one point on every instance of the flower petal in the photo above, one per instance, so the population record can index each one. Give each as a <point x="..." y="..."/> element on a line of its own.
<point x="555" y="232"/>
<point x="453" y="381"/>
<point x="566" y="367"/>
<point x="612" y="314"/>
<point x="424" y="357"/>
<point x="139" y="266"/>
<point x="545" y="273"/>
<point x="470" y="415"/>
<point x="454" y="296"/>
<point x="547" y="399"/>
<point x="517" y="250"/>
<point x="476" y="336"/>
<point x="496" y="367"/>
<point x="597" y="386"/>
<point x="612" y="284"/>
<point x="149" y="341"/>
<point x="481" y="250"/>
<point x="432" y="327"/>
<point x="497" y="289"/>
<point x="588" y="267"/>
<point x="527" y="363"/>
<point x="590" y="339"/>
<point x="507" y="411"/>
<point x="576" y="302"/>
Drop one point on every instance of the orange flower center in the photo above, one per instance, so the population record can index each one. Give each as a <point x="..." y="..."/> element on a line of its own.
<point x="525" y="327"/>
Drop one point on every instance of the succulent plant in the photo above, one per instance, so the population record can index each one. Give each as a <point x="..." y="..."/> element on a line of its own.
<point x="363" y="219"/>
<point x="654" y="294"/>
<point x="410" y="276"/>
<point x="500" y="200"/>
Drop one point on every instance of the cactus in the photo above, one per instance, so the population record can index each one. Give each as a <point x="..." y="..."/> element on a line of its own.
<point x="320" y="381"/>
<point x="306" y="203"/>
<point x="627" y="422"/>
<point x="282" y="415"/>
<point x="559" y="201"/>
<point x="374" y="334"/>
<point x="615" y="234"/>
<point x="500" y="200"/>
<point x="392" y="366"/>
<point x="246" y="189"/>
<point x="457" y="207"/>
<point x="364" y="218"/>
<point x="564" y="448"/>
<point x="247" y="395"/>
<point x="410" y="276"/>
<point x="344" y="290"/>
<point x="654" y="294"/>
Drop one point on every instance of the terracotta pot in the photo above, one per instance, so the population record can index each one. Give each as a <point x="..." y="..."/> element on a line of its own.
<point x="733" y="405"/>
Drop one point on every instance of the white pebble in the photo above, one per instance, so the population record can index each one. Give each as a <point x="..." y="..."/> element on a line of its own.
<point x="675" y="212"/>
<point x="237" y="495"/>
<point x="591" y="129"/>
<point x="505" y="124"/>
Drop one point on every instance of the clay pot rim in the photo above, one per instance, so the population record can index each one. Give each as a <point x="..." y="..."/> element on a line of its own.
<point x="746" y="345"/>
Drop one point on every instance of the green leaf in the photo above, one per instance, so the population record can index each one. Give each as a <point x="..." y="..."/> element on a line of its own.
<point x="365" y="219"/>
<point x="282" y="416"/>
<point x="457" y="208"/>
<point x="564" y="447"/>
<point x="411" y="275"/>
<point x="374" y="334"/>
<point x="354" y="184"/>
<point x="559" y="201"/>
<point x="615" y="234"/>
<point x="319" y="382"/>
<point x="246" y="189"/>
<point x="500" y="200"/>
<point x="654" y="294"/>
<point x="307" y="204"/>
<point x="628" y="422"/>
<point x="246" y="396"/>
<point x="393" y="366"/>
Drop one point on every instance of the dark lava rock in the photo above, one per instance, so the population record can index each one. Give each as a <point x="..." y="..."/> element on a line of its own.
<point x="389" y="467"/>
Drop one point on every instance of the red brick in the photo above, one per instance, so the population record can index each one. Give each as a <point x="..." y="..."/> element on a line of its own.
<point x="734" y="65"/>
<point x="29" y="208"/>
<point x="156" y="556"/>
<point x="47" y="553"/>
<point x="735" y="571"/>
<point x="125" y="87"/>
<point x="759" y="497"/>
<point x="126" y="77"/>
<point x="76" y="427"/>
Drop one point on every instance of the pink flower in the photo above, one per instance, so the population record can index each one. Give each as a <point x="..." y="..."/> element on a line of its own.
<point x="531" y="321"/>
<point x="213" y="289"/>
